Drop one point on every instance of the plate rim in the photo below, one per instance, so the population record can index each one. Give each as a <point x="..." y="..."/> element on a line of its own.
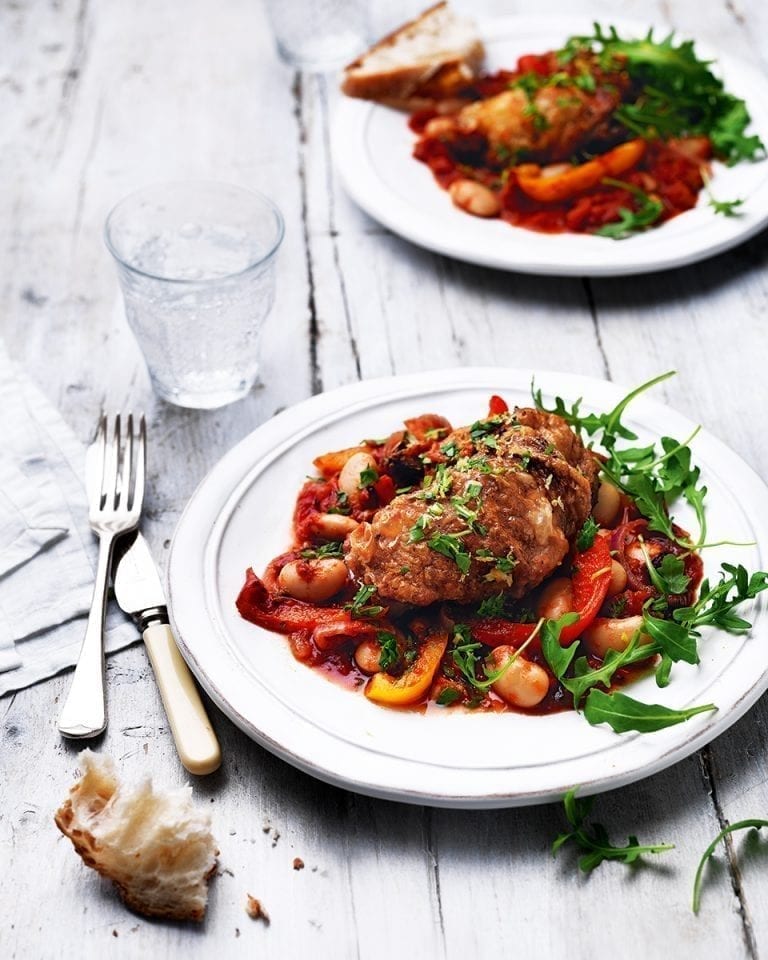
<point x="380" y="389"/>
<point x="349" y="155"/>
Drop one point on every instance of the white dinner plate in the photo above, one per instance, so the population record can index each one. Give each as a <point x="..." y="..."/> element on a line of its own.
<point x="240" y="516"/>
<point x="372" y="147"/>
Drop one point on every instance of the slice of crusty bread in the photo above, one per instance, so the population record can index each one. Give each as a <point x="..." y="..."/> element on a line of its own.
<point x="155" y="847"/>
<point x="421" y="64"/>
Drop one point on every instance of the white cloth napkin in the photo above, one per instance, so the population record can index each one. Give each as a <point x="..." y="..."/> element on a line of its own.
<point x="47" y="551"/>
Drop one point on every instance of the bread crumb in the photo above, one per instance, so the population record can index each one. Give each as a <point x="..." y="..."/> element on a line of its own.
<point x="298" y="863"/>
<point x="255" y="910"/>
<point x="115" y="933"/>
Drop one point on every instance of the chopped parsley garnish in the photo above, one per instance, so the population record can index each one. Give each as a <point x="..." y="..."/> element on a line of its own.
<point x="482" y="429"/>
<point x="492" y="606"/>
<point x="727" y="208"/>
<point x="585" y="81"/>
<point x="587" y="534"/>
<point x="479" y="463"/>
<point x="390" y="653"/>
<point x="450" y="545"/>
<point x="417" y="530"/>
<point x="438" y="485"/>
<point x="359" y="608"/>
<point x="333" y="549"/>
<point x="447" y="696"/>
<point x="502" y="565"/>
<point x="368" y="477"/>
<point x="341" y="505"/>
<point x="467" y="513"/>
<point x="450" y="449"/>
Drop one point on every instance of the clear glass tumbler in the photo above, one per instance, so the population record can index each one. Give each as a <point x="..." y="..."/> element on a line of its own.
<point x="319" y="35"/>
<point x="196" y="266"/>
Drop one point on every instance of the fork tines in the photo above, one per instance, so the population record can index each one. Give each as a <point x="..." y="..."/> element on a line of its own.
<point x="122" y="459"/>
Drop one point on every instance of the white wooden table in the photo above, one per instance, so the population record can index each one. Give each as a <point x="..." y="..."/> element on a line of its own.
<point x="98" y="98"/>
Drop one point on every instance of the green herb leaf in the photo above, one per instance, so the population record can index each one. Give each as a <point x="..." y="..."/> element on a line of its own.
<point x="677" y="92"/>
<point x="585" y="677"/>
<point x="341" y="505"/>
<point x="559" y="658"/>
<point x="358" y="608"/>
<point x="450" y="545"/>
<point x="755" y="824"/>
<point x="726" y="208"/>
<point x="593" y="838"/>
<point x="333" y="549"/>
<point x="492" y="606"/>
<point x="674" y="639"/>
<point x="390" y="653"/>
<point x="368" y="477"/>
<point x="623" y="713"/>
<point x="587" y="534"/>
<point x="631" y="221"/>
<point x="447" y="696"/>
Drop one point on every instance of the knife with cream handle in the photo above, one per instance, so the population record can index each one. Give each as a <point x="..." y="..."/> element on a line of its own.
<point x="139" y="593"/>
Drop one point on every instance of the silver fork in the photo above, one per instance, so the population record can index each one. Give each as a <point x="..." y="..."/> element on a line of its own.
<point x="114" y="471"/>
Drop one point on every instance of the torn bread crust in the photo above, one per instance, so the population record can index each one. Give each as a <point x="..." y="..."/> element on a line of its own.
<point x="420" y="65"/>
<point x="155" y="847"/>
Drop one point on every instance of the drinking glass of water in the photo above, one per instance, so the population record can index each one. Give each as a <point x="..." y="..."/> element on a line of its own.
<point x="319" y="35"/>
<point x="196" y="264"/>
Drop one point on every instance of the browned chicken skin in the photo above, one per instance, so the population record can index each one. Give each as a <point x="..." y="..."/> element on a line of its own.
<point x="551" y="124"/>
<point x="499" y="515"/>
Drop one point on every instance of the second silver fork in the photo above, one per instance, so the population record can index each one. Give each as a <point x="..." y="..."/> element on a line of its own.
<point x="115" y="470"/>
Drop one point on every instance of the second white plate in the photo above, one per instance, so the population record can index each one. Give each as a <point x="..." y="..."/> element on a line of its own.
<point x="372" y="147"/>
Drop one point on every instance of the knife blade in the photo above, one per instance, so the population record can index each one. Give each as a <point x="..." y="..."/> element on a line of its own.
<point x="140" y="594"/>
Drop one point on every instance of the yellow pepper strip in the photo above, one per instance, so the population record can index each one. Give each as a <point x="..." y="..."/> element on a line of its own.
<point x="417" y="679"/>
<point x="560" y="186"/>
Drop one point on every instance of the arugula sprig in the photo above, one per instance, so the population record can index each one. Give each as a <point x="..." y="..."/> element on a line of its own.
<point x="752" y="824"/>
<point x="465" y="656"/>
<point x="677" y="92"/>
<point x="593" y="838"/>
<point x="631" y="221"/>
<point x="675" y="639"/>
<point x="654" y="479"/>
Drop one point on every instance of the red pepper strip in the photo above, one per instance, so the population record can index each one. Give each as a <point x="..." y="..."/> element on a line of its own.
<point x="282" y="614"/>
<point x="496" y="632"/>
<point x="589" y="584"/>
<point x="497" y="405"/>
<point x="385" y="489"/>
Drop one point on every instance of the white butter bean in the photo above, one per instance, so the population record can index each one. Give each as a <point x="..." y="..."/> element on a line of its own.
<point x="523" y="683"/>
<point x="475" y="198"/>
<point x="313" y="580"/>
<point x="606" y="634"/>
<point x="334" y="526"/>
<point x="607" y="504"/>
